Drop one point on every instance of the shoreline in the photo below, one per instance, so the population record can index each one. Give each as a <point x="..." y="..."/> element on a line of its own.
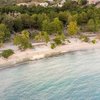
<point x="45" y="51"/>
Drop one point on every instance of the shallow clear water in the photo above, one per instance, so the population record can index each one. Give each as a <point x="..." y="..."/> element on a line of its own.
<point x="73" y="76"/>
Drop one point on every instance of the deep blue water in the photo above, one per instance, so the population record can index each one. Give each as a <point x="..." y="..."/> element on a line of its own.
<point x="73" y="76"/>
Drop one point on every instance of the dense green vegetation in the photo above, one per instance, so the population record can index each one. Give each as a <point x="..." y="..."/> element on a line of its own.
<point x="22" y="40"/>
<point x="70" y="19"/>
<point x="7" y="53"/>
<point x="4" y="33"/>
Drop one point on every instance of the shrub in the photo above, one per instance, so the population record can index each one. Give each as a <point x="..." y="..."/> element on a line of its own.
<point x="42" y="36"/>
<point x="53" y="45"/>
<point x="7" y="53"/>
<point x="23" y="40"/>
<point x="73" y="28"/>
<point x="57" y="41"/>
<point x="94" y="41"/>
<point x="4" y="33"/>
<point x="84" y="38"/>
<point x="68" y="41"/>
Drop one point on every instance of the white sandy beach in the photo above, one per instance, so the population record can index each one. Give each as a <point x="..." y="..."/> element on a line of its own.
<point x="45" y="51"/>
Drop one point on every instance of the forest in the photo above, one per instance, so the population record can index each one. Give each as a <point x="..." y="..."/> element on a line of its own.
<point x="21" y="24"/>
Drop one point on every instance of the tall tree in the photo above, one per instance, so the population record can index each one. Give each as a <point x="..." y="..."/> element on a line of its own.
<point x="72" y="28"/>
<point x="23" y="40"/>
<point x="4" y="33"/>
<point x="56" y="26"/>
<point x="93" y="25"/>
<point x="18" y="25"/>
<point x="46" y="26"/>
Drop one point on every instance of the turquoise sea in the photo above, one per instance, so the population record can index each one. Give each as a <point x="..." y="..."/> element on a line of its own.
<point x="73" y="76"/>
